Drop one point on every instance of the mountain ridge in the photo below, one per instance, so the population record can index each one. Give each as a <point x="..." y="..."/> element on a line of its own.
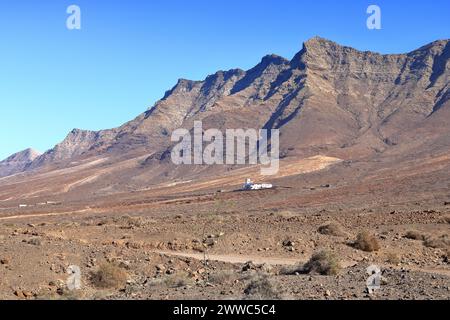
<point x="18" y="162"/>
<point x="321" y="95"/>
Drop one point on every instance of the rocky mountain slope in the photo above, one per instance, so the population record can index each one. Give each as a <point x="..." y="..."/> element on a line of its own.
<point x="329" y="99"/>
<point x="18" y="162"/>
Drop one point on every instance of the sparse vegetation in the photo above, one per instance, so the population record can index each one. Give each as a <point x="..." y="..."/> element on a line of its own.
<point x="61" y="294"/>
<point x="222" y="276"/>
<point x="129" y="222"/>
<point x="109" y="275"/>
<point x="262" y="288"/>
<point x="34" y="242"/>
<point x="415" y="235"/>
<point x="446" y="256"/>
<point x="441" y="242"/>
<point x="393" y="258"/>
<point x="323" y="263"/>
<point x="210" y="240"/>
<point x="176" y="281"/>
<point x="332" y="228"/>
<point x="366" y="241"/>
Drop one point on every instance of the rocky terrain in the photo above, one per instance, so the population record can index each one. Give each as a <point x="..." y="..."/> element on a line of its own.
<point x="18" y="162"/>
<point x="364" y="179"/>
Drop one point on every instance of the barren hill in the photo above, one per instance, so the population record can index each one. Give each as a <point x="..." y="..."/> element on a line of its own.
<point x="329" y="100"/>
<point x="18" y="162"/>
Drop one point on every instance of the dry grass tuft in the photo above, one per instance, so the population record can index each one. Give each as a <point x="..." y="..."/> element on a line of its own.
<point x="441" y="242"/>
<point x="129" y="222"/>
<point x="332" y="229"/>
<point x="262" y="288"/>
<point x="323" y="262"/>
<point x="415" y="235"/>
<point x="393" y="258"/>
<point x="177" y="281"/>
<point x="222" y="276"/>
<point x="366" y="242"/>
<point x="109" y="275"/>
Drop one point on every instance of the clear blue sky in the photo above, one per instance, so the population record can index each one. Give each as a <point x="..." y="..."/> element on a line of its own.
<point x="128" y="53"/>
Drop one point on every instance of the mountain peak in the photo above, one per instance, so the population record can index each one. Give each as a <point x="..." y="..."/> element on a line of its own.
<point x="317" y="40"/>
<point x="32" y="153"/>
<point x="24" y="155"/>
<point x="18" y="162"/>
<point x="273" y="59"/>
<point x="320" y="45"/>
<point x="437" y="46"/>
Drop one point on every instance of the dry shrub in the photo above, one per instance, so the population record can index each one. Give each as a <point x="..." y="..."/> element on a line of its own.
<point x="290" y="270"/>
<point x="415" y="235"/>
<point x="35" y="242"/>
<point x="177" y="280"/>
<point x="366" y="242"/>
<point x="393" y="258"/>
<point x="109" y="275"/>
<point x="171" y="281"/>
<point x="323" y="262"/>
<point x="442" y="242"/>
<point x="262" y="288"/>
<point x="223" y="276"/>
<point x="446" y="256"/>
<point x="332" y="229"/>
<point x="129" y="222"/>
<point x="60" y="295"/>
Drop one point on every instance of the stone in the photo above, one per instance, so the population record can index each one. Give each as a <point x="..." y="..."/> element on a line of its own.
<point x="34" y="242"/>
<point x="288" y="243"/>
<point x="248" y="266"/>
<point x="27" y="294"/>
<point x="160" y="267"/>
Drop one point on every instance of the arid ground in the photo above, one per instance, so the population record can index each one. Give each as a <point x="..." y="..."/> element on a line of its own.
<point x="207" y="240"/>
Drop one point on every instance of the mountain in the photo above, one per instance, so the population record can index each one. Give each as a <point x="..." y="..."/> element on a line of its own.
<point x="329" y="99"/>
<point x="18" y="162"/>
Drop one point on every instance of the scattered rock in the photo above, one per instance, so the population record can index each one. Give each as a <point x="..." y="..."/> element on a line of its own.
<point x="170" y="271"/>
<point x="19" y="294"/>
<point x="266" y="268"/>
<point x="288" y="243"/>
<point x="34" y="242"/>
<point x="27" y="294"/>
<point x="23" y="294"/>
<point x="209" y="242"/>
<point x="160" y="267"/>
<point x="201" y="271"/>
<point x="248" y="266"/>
